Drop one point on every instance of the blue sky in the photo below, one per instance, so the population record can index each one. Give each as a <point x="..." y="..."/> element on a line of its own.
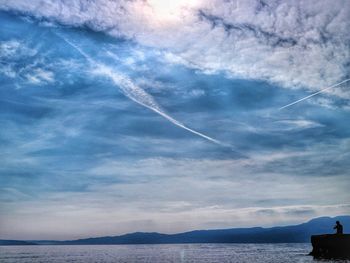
<point x="115" y="121"/>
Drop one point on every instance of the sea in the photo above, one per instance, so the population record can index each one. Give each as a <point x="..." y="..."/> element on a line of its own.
<point x="173" y="253"/>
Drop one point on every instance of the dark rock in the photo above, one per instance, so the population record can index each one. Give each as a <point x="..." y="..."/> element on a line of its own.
<point x="333" y="246"/>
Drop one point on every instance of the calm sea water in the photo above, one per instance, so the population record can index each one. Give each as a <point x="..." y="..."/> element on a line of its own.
<point x="220" y="253"/>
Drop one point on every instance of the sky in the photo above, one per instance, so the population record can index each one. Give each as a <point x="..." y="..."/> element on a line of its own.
<point x="148" y="115"/>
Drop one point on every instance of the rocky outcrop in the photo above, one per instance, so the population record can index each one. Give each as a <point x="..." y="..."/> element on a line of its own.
<point x="335" y="246"/>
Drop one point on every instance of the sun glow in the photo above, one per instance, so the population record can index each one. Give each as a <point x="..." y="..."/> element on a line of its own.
<point x="171" y="9"/>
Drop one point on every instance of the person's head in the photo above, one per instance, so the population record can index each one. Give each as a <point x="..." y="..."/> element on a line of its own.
<point x="337" y="222"/>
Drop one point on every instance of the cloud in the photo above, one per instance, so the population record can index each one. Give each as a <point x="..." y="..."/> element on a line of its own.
<point x="323" y="159"/>
<point x="9" y="48"/>
<point x="294" y="43"/>
<point x="40" y="75"/>
<point x="298" y="124"/>
<point x="84" y="217"/>
<point x="22" y="63"/>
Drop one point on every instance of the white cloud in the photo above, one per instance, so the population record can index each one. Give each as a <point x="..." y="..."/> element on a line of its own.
<point x="14" y="48"/>
<point x="39" y="76"/>
<point x="9" y="48"/>
<point x="294" y="43"/>
<point x="298" y="124"/>
<point x="14" y="51"/>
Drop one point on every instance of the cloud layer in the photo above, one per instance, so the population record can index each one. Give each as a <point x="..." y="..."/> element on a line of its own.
<point x="85" y="140"/>
<point x="295" y="43"/>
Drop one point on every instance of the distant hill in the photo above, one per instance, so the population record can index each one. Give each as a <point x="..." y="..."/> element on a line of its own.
<point x="15" y="243"/>
<point x="284" y="234"/>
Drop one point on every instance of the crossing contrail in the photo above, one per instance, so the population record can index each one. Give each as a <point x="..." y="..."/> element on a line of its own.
<point x="134" y="92"/>
<point x="313" y="94"/>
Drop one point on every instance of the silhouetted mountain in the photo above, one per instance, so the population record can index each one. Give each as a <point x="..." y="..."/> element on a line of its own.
<point x="283" y="234"/>
<point x="15" y="243"/>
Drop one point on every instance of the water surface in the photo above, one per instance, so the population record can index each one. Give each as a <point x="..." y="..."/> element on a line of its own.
<point x="220" y="253"/>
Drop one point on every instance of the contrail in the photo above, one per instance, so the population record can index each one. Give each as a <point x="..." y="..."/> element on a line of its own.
<point x="88" y="58"/>
<point x="313" y="94"/>
<point x="135" y="93"/>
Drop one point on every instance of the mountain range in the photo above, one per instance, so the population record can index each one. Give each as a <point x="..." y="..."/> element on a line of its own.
<point x="280" y="234"/>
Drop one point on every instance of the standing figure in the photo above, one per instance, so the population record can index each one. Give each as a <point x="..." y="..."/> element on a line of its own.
<point x="338" y="227"/>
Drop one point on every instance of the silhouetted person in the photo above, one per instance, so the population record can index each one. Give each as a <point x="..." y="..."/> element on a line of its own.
<point x="338" y="227"/>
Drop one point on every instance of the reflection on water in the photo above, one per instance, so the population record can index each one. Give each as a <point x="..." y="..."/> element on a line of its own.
<point x="220" y="253"/>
